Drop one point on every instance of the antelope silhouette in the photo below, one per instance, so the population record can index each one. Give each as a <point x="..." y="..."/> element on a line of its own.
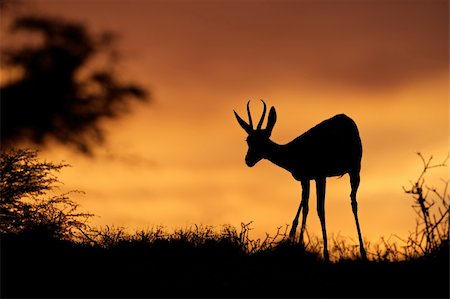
<point x="331" y="148"/>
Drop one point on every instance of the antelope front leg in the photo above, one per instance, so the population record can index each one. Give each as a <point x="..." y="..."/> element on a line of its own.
<point x="295" y="222"/>
<point x="354" y="182"/>
<point x="304" y="206"/>
<point x="320" y="187"/>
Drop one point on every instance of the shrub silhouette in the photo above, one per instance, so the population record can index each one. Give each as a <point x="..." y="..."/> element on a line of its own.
<point x="433" y="222"/>
<point x="26" y="207"/>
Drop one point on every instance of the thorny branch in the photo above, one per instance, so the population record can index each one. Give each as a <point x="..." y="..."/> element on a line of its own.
<point x="432" y="226"/>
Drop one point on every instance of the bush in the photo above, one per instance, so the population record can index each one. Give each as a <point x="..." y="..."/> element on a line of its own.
<point x="25" y="205"/>
<point x="433" y="213"/>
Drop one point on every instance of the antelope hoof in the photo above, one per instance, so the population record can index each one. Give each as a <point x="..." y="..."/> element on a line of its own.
<point x="292" y="234"/>
<point x="363" y="254"/>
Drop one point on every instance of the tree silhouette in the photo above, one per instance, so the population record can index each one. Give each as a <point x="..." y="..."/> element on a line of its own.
<point x="59" y="95"/>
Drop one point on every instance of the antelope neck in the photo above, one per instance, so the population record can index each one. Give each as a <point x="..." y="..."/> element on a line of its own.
<point x="276" y="153"/>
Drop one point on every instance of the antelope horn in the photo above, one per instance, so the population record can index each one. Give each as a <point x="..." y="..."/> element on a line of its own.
<point x="250" y="122"/>
<point x="262" y="117"/>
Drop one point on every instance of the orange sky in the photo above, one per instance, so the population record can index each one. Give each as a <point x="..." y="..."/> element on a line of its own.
<point x="179" y="160"/>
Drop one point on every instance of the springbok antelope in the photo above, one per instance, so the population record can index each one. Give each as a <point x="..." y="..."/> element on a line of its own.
<point x="331" y="148"/>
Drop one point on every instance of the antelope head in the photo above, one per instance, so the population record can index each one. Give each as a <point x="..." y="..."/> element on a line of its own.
<point x="258" y="139"/>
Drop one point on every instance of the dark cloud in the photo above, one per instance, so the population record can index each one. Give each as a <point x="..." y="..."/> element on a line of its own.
<point x="247" y="45"/>
<point x="384" y="44"/>
<point x="365" y="44"/>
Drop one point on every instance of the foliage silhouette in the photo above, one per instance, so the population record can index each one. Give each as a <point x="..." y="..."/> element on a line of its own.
<point x="433" y="222"/>
<point x="331" y="148"/>
<point x="60" y="95"/>
<point x="26" y="207"/>
<point x="201" y="262"/>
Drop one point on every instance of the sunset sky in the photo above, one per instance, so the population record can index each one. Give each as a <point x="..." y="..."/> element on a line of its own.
<point x="178" y="160"/>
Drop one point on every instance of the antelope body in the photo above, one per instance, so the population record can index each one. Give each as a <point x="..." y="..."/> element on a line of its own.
<point x="331" y="148"/>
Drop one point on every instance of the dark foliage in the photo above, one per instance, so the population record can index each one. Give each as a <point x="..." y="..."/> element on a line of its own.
<point x="25" y="204"/>
<point x="168" y="267"/>
<point x="53" y="97"/>
<point x="433" y="211"/>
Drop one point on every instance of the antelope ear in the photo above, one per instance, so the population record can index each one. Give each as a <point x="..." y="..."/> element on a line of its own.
<point x="271" y="120"/>
<point x="243" y="124"/>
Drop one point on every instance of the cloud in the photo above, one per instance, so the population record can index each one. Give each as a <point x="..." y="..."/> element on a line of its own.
<point x="128" y="159"/>
<point x="368" y="44"/>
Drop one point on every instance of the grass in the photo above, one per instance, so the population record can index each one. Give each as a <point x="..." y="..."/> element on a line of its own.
<point x="207" y="262"/>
